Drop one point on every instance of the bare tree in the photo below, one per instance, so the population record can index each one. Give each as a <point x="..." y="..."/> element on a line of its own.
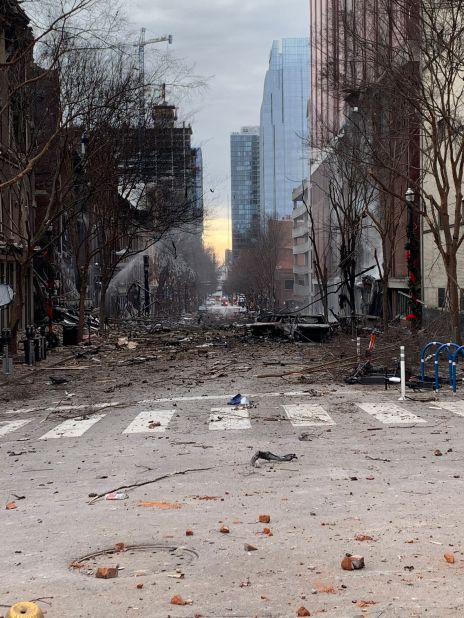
<point x="255" y="272"/>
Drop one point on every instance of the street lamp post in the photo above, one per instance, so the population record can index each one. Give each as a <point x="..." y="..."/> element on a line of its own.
<point x="413" y="263"/>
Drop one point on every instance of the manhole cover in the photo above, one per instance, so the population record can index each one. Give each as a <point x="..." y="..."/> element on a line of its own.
<point x="137" y="560"/>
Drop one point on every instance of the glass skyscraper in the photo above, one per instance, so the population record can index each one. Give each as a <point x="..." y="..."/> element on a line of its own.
<point x="244" y="159"/>
<point x="284" y="127"/>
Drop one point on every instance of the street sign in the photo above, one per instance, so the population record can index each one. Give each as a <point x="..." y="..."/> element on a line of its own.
<point x="6" y="295"/>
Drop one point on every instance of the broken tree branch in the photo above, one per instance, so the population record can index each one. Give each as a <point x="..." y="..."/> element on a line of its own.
<point x="143" y="483"/>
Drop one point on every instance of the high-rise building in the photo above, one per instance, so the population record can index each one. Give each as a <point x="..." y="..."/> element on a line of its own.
<point x="244" y="156"/>
<point x="284" y="127"/>
<point x="198" y="189"/>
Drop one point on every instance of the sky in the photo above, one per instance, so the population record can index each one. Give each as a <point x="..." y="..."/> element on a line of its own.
<point x="228" y="42"/>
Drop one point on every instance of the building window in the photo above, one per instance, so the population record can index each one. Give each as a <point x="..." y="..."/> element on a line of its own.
<point x="441" y="297"/>
<point x="289" y="284"/>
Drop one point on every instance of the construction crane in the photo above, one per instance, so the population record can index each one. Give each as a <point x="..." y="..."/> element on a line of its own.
<point x="143" y="42"/>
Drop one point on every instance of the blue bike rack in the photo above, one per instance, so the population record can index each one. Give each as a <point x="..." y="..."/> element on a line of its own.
<point x="460" y="350"/>
<point x="423" y="354"/>
<point x="450" y="363"/>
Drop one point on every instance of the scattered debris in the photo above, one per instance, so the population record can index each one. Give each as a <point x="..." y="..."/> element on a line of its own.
<point x="302" y="611"/>
<point x="352" y="563"/>
<point x="119" y="547"/>
<point x="76" y="565"/>
<point x="165" y="506"/>
<point x="235" y="401"/>
<point x="268" y="456"/>
<point x="248" y="547"/>
<point x="325" y="588"/>
<point x="154" y="424"/>
<point x="246" y="584"/>
<point x="364" y="603"/>
<point x="378" y="459"/>
<point x="363" y="537"/>
<point x="115" y="496"/>
<point x="264" y="519"/>
<point x="178" y="600"/>
<point x="177" y="575"/>
<point x="106" y="572"/>
<point x="143" y="483"/>
<point x="449" y="558"/>
<point x="267" y="532"/>
<point x="58" y="380"/>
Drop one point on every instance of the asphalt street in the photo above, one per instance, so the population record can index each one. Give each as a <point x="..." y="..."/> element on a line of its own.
<point x="367" y="465"/>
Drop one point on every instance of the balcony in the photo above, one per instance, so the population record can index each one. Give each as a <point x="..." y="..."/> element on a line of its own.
<point x="300" y="270"/>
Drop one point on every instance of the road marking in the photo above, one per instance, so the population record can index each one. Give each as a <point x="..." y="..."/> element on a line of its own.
<point x="141" y="423"/>
<point x="21" y="411"/>
<point x="9" y="426"/>
<point x="308" y="415"/>
<point x="215" y="397"/>
<point x="83" y="406"/>
<point x="390" y="413"/>
<point x="222" y="419"/>
<point x="72" y="428"/>
<point x="456" y="407"/>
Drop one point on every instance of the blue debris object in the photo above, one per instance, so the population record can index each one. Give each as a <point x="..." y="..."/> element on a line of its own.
<point x="235" y="401"/>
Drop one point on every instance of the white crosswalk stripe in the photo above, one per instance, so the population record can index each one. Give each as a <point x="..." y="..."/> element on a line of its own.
<point x="150" y="421"/>
<point x="390" y="413"/>
<point x="7" y="427"/>
<point x="72" y="428"/>
<point x="222" y="419"/>
<point x="456" y="407"/>
<point x="226" y="418"/>
<point x="93" y="406"/>
<point x="308" y="415"/>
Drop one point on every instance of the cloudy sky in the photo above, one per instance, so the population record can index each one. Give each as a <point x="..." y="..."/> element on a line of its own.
<point x="228" y="41"/>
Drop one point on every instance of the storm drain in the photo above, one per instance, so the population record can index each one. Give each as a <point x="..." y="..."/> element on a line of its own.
<point x="137" y="560"/>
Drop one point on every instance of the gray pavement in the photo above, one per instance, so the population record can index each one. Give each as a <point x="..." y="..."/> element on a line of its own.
<point x="361" y="470"/>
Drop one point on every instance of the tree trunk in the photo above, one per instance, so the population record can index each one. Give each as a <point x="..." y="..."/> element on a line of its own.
<point x="453" y="290"/>
<point x="82" y="297"/>
<point x="352" y="299"/>
<point x="385" y="304"/>
<point x="16" y="310"/>
<point x="102" y="310"/>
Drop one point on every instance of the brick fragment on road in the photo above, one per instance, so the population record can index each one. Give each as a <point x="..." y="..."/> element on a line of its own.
<point x="178" y="600"/>
<point x="106" y="572"/>
<point x="352" y="563"/>
<point x="248" y="547"/>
